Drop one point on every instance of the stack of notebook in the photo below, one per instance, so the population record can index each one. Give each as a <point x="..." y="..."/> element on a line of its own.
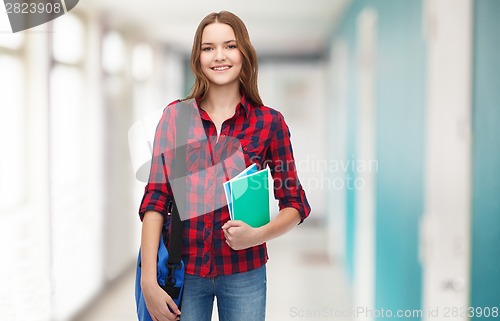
<point x="247" y="196"/>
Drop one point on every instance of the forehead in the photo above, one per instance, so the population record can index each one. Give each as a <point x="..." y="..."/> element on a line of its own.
<point x="217" y="33"/>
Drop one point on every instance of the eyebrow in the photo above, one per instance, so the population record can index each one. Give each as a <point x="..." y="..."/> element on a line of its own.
<point x="225" y="42"/>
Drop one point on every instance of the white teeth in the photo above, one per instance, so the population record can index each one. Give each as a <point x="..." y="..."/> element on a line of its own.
<point x="220" y="68"/>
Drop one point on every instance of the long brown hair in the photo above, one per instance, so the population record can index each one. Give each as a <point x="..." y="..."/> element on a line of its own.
<point x="249" y="69"/>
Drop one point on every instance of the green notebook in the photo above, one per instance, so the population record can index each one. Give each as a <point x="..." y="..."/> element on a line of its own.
<point x="248" y="197"/>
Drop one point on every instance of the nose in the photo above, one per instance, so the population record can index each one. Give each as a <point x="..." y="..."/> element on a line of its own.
<point x="219" y="54"/>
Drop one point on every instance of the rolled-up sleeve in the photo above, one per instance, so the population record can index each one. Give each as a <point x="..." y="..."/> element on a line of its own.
<point x="157" y="193"/>
<point x="287" y="188"/>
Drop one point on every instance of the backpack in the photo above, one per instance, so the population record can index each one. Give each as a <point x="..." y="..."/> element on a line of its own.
<point x="170" y="267"/>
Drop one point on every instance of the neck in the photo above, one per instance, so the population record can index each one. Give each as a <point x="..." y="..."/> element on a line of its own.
<point x="220" y="98"/>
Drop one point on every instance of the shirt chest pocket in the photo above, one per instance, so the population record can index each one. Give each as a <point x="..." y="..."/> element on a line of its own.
<point x="196" y="156"/>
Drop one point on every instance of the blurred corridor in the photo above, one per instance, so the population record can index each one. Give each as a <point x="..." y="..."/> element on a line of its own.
<point x="394" y="110"/>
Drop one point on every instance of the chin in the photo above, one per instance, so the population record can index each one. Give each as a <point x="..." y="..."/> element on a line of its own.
<point x="222" y="82"/>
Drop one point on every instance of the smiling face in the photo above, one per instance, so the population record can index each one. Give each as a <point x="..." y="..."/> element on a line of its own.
<point x="215" y="29"/>
<point x="220" y="58"/>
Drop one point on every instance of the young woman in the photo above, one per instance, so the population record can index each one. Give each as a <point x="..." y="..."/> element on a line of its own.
<point x="223" y="258"/>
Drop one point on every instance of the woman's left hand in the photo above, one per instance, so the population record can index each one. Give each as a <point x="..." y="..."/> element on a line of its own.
<point x="240" y="236"/>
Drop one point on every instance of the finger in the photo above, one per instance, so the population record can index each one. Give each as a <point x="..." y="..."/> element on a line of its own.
<point x="229" y="235"/>
<point x="166" y="315"/>
<point x="231" y="223"/>
<point x="159" y="317"/>
<point x="173" y="306"/>
<point x="232" y="245"/>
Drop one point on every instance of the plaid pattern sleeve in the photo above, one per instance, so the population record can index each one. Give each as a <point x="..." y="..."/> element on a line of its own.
<point x="259" y="135"/>
<point x="157" y="193"/>
<point x="287" y="187"/>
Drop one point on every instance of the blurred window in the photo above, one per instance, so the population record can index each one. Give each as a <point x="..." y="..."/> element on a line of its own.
<point x="12" y="135"/>
<point x="142" y="62"/>
<point x="66" y="126"/>
<point x="113" y="53"/>
<point x="11" y="41"/>
<point x="74" y="218"/>
<point x="66" y="109"/>
<point x="68" y="40"/>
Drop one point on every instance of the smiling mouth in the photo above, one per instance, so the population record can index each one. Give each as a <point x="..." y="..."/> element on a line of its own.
<point x="221" y="68"/>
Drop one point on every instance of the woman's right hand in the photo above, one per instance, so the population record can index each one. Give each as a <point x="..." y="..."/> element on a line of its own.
<point x="157" y="300"/>
<point x="158" y="303"/>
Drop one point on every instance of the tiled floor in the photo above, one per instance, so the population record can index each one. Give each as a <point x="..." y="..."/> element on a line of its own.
<point x="303" y="284"/>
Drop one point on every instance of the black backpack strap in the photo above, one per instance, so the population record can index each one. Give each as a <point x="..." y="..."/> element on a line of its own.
<point x="184" y="112"/>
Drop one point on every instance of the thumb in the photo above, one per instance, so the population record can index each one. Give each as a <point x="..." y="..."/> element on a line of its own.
<point x="231" y="223"/>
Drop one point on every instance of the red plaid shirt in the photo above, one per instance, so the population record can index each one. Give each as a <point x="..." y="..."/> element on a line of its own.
<point x="265" y="140"/>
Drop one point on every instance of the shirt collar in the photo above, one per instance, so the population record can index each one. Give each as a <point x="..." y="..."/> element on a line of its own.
<point x="246" y="105"/>
<point x="243" y="103"/>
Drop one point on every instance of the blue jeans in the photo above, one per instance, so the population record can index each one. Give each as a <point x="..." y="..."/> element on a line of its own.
<point x="240" y="297"/>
